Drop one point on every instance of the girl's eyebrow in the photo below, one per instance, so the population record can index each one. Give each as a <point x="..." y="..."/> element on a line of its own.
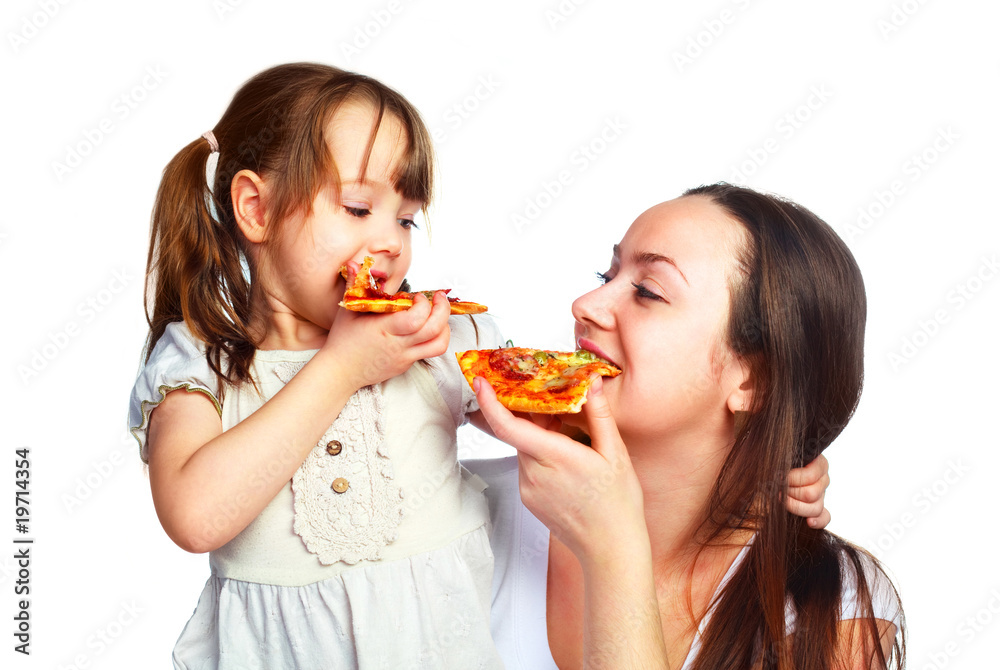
<point x="649" y="258"/>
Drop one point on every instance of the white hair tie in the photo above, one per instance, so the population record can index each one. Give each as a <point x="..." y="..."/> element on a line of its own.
<point x="212" y="142"/>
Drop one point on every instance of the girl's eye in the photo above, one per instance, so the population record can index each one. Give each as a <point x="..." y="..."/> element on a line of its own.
<point x="603" y="277"/>
<point x="643" y="292"/>
<point x="407" y="224"/>
<point x="359" y="212"/>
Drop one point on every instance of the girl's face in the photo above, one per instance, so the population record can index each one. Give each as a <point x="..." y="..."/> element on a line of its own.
<point x="369" y="219"/>
<point x="660" y="315"/>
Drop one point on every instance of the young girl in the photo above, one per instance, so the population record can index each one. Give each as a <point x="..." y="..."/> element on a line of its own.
<point x="293" y="440"/>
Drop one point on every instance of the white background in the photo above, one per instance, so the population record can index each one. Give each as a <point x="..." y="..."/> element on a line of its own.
<point x="913" y="475"/>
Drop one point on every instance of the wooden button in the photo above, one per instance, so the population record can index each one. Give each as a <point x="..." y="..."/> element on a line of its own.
<point x="339" y="485"/>
<point x="333" y="447"/>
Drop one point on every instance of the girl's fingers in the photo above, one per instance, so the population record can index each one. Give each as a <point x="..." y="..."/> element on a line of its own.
<point x="811" y="493"/>
<point x="804" y="509"/>
<point x="821" y="521"/>
<point x="811" y="473"/>
<point x="410" y="321"/>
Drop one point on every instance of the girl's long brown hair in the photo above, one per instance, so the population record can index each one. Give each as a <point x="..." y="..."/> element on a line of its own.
<point x="797" y="319"/>
<point x="197" y="270"/>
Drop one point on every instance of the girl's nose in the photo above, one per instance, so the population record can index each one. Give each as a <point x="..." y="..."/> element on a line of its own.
<point x="390" y="238"/>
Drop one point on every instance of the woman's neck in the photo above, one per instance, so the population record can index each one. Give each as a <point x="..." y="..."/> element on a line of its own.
<point x="677" y="479"/>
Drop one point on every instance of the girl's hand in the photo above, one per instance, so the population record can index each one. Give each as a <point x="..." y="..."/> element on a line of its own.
<point x="806" y="491"/>
<point x="382" y="346"/>
<point x="589" y="498"/>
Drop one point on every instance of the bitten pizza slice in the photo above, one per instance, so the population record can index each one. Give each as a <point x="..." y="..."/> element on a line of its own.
<point x="364" y="294"/>
<point x="535" y="380"/>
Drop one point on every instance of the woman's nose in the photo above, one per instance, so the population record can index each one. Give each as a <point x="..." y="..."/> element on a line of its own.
<point x="595" y="307"/>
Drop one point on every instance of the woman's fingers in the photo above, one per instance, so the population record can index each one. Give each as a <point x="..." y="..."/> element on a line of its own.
<point x="604" y="435"/>
<point x="522" y="434"/>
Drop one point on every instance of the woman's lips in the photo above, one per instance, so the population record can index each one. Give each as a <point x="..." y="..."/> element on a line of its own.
<point x="587" y="345"/>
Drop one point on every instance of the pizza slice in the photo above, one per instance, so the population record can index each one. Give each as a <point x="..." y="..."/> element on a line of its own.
<point x="365" y="294"/>
<point x="534" y="380"/>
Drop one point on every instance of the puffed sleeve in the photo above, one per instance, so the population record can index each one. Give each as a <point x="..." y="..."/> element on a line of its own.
<point x="178" y="361"/>
<point x="467" y="332"/>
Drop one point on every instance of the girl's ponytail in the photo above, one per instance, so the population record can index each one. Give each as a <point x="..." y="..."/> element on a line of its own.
<point x="194" y="271"/>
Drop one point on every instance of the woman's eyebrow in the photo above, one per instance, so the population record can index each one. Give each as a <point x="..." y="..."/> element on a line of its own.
<point x="651" y="257"/>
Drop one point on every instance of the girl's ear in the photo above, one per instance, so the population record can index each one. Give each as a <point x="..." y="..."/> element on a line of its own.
<point x="247" y="192"/>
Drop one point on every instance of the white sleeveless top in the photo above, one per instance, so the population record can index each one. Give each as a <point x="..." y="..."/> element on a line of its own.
<point x="520" y="581"/>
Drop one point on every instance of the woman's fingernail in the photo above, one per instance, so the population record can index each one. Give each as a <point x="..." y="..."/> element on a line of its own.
<point x="476" y="383"/>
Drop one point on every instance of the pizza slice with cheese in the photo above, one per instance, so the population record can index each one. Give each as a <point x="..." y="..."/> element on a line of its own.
<point x="364" y="293"/>
<point x="536" y="380"/>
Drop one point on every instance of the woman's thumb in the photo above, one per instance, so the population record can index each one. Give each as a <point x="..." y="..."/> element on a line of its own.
<point x="600" y="423"/>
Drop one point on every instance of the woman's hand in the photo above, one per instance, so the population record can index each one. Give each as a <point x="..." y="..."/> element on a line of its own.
<point x="806" y="492"/>
<point x="589" y="497"/>
<point x="591" y="501"/>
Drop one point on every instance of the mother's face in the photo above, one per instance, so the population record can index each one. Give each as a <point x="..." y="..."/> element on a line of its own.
<point x="661" y="315"/>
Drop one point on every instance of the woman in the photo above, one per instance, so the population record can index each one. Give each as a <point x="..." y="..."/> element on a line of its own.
<point x="738" y="321"/>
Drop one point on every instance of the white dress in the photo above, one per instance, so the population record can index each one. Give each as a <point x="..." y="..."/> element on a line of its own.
<point x="521" y="553"/>
<point x="375" y="555"/>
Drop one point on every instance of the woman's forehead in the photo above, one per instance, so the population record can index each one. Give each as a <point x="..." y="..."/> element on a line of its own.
<point x="692" y="230"/>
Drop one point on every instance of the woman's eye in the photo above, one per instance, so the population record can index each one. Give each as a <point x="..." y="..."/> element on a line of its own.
<point x="643" y="292"/>
<point x="603" y="277"/>
<point x="407" y="224"/>
<point x="359" y="212"/>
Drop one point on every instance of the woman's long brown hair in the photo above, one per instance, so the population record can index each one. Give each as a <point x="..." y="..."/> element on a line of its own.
<point x="197" y="270"/>
<point x="797" y="320"/>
